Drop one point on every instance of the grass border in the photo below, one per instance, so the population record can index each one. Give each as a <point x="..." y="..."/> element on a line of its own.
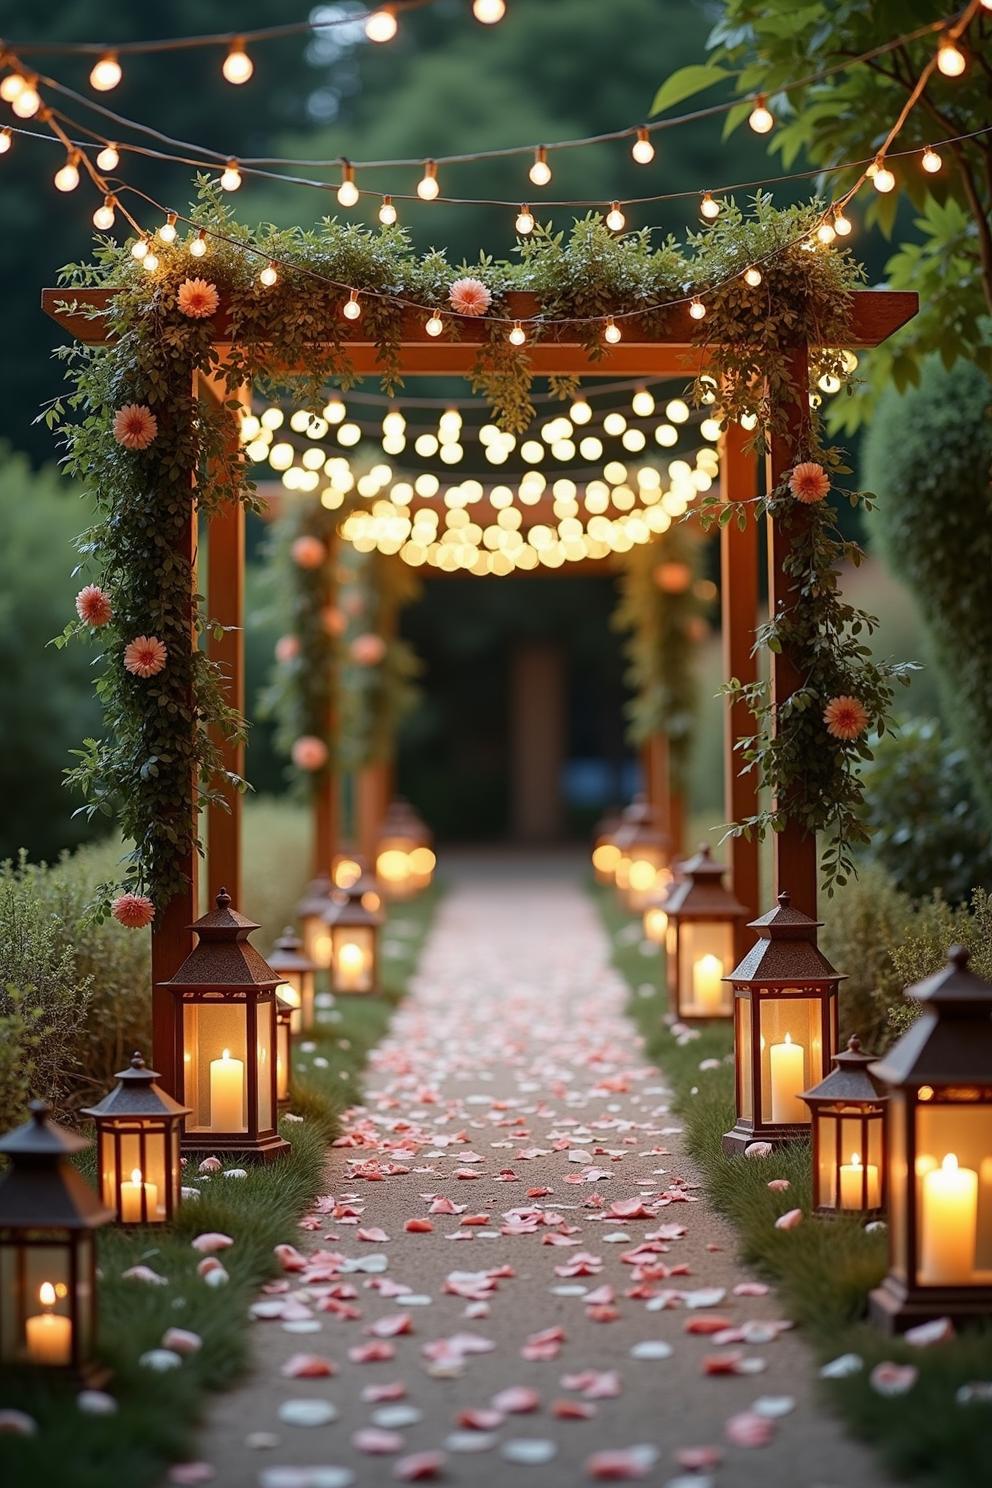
<point x="823" y="1269"/>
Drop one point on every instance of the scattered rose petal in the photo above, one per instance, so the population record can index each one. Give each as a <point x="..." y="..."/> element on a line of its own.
<point x="926" y="1334"/>
<point x="622" y="1464"/>
<point x="516" y="1400"/>
<point x="307" y="1366"/>
<point x="893" y="1379"/>
<point x="419" y="1467"/>
<point x="789" y="1220"/>
<point x="749" y="1430"/>
<point x="182" y="1341"/>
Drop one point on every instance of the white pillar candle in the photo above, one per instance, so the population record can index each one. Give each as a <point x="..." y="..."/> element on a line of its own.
<point x="227" y="1104"/>
<point x="851" y="1177"/>
<point x="131" y="1199"/>
<point x="707" y="984"/>
<point x="49" y="1338"/>
<point x="950" y="1213"/>
<point x="787" y="1066"/>
<point x="351" y="967"/>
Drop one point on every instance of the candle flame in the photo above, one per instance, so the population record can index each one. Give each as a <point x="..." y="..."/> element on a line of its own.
<point x="788" y="1038"/>
<point x="351" y="957"/>
<point x="46" y="1294"/>
<point x="950" y="1163"/>
<point x="136" y="1176"/>
<point x="226" y="1054"/>
<point x="855" y="1159"/>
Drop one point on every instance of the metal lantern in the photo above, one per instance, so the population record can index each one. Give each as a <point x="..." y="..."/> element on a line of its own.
<point x="785" y="1027"/>
<point x="402" y="835"/>
<point x="644" y="853"/>
<point x="284" y="1049"/>
<point x="225" y="996"/>
<point x="310" y="912"/>
<point x="939" y="1126"/>
<point x="348" y="869"/>
<point x="605" y="853"/>
<point x="654" y="920"/>
<point x="48" y="1214"/>
<point x="137" y="1147"/>
<point x="296" y="972"/>
<point x="848" y="1122"/>
<point x="353" y="921"/>
<point x="702" y="916"/>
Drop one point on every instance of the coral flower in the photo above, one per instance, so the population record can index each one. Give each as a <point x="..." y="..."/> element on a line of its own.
<point x="93" y="606"/>
<point x="333" y="620"/>
<point x="287" y="648"/>
<point x="845" y="717"/>
<point x="145" y="656"/>
<point x="368" y="650"/>
<point x="809" y="482"/>
<point x="135" y="426"/>
<point x="308" y="552"/>
<point x="197" y="298"/>
<point x="133" y="910"/>
<point x="309" y="752"/>
<point x="469" y="297"/>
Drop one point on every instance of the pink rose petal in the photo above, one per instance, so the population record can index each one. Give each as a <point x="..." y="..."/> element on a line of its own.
<point x="749" y="1430"/>
<point x="516" y="1400"/>
<point x="376" y="1442"/>
<point x="210" y="1242"/>
<point x="789" y="1220"/>
<point x="419" y="1467"/>
<point x="307" y="1366"/>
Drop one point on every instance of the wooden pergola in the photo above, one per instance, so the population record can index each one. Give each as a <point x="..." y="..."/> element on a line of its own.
<point x="671" y="353"/>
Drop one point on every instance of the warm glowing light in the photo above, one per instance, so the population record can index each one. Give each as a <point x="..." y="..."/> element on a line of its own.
<point x="150" y="262"/>
<point x="951" y="60"/>
<point x="525" y="221"/>
<point x="540" y="171"/>
<point x="381" y="25"/>
<point x="488" y="12"/>
<point x="12" y="85"/>
<point x="67" y="178"/>
<point x="752" y="276"/>
<point x="106" y="73"/>
<point x="103" y="217"/>
<point x="28" y="100"/>
<point x="642" y="403"/>
<point x="167" y="232"/>
<point x="826" y="233"/>
<point x="109" y="158"/>
<point x="427" y="186"/>
<point x="139" y="248"/>
<point x="347" y="191"/>
<point x="697" y="310"/>
<point x="231" y="178"/>
<point x="709" y="208"/>
<point x="612" y="333"/>
<point x="677" y="410"/>
<point x="351" y="309"/>
<point x="842" y="224"/>
<point x="387" y="212"/>
<point x="6" y="139"/>
<point x="269" y="275"/>
<point x="517" y="335"/>
<point x="882" y="179"/>
<point x="931" y="161"/>
<point x="615" y="220"/>
<point x="642" y="149"/>
<point x="435" y="325"/>
<point x="761" y="118"/>
<point x="237" y="66"/>
<point x="198" y="247"/>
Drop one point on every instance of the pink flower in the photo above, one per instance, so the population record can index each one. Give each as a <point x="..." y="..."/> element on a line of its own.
<point x="809" y="482"/>
<point x="308" y="552"/>
<point x="309" y="753"/>
<point x="135" y="426"/>
<point x="145" y="656"/>
<point x="287" y="648"/>
<point x="133" y="910"/>
<point x="469" y="297"/>
<point x="333" y="620"/>
<point x="368" y="649"/>
<point x="93" y="606"/>
<point x="845" y="717"/>
<point x="197" y="298"/>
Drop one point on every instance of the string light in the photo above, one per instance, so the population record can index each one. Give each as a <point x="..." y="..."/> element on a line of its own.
<point x="103" y="217"/>
<point x="525" y="221"/>
<point x="150" y="262"/>
<point x="109" y="158"/>
<point x="615" y="220"/>
<point x="842" y="224"/>
<point x="761" y="118"/>
<point x="931" y="161"/>
<point x="269" y="275"/>
<point x="642" y="149"/>
<point x="435" y="325"/>
<point x="347" y="191"/>
<point x="27" y="101"/>
<point x="198" y="247"/>
<point x="951" y="59"/>
<point x="381" y="25"/>
<point x="106" y="73"/>
<point x="612" y="333"/>
<point x="237" y="66"/>
<point x="697" y="309"/>
<point x="139" y="248"/>
<point x="351" y="309"/>
<point x="67" y="178"/>
<point x="427" y="186"/>
<point x="488" y="12"/>
<point x="709" y="208"/>
<point x="752" y="277"/>
<point x="642" y="403"/>
<point x="6" y="140"/>
<point x="167" y="232"/>
<point x="540" y="171"/>
<point x="13" y="84"/>
<point x="826" y="233"/>
<point x="517" y="335"/>
<point x="882" y="178"/>
<point x="231" y="178"/>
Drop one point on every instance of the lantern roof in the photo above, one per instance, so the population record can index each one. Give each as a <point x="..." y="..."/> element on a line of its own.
<point x="137" y="1094"/>
<point x="700" y="893"/>
<point x="224" y="956"/>
<point x="348" y="906"/>
<point x="951" y="1041"/>
<point x="42" y="1189"/>
<point x="786" y="951"/>
<point x="287" y="953"/>
<point x="639" y="827"/>
<point x="315" y="896"/>
<point x="851" y="1078"/>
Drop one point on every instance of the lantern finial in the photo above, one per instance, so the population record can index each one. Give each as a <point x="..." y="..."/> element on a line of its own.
<point x="137" y="1060"/>
<point x="223" y="900"/>
<point x="785" y="899"/>
<point x="40" y="1111"/>
<point x="854" y="1044"/>
<point x="959" y="956"/>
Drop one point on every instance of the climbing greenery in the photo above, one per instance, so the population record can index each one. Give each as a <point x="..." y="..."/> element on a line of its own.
<point x="161" y="731"/>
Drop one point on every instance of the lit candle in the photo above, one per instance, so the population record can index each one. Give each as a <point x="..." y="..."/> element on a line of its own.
<point x="49" y="1338"/>
<point x="851" y="1176"/>
<point x="950" y="1213"/>
<point x="351" y="967"/>
<point x="655" y="924"/>
<point x="322" y="947"/>
<point x="131" y="1199"/>
<point x="227" y="1107"/>
<point x="787" y="1065"/>
<point x="707" y="984"/>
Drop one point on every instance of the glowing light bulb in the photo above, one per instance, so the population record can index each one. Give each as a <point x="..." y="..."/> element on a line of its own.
<point x="387" y="212"/>
<point x="231" y="179"/>
<point x="709" y="208"/>
<point x="525" y="221"/>
<point x="67" y="178"/>
<point x="139" y="248"/>
<point x="6" y="140"/>
<point x="381" y="25"/>
<point x="347" y="191"/>
<point x="642" y="150"/>
<point x="931" y="161"/>
<point x="883" y="180"/>
<point x="580" y="412"/>
<point x="825" y="233"/>
<point x="612" y="332"/>
<point x="103" y="217"/>
<point x="150" y="262"/>
<point x="752" y="277"/>
<point x="167" y="232"/>
<point x="269" y="275"/>
<point x="28" y="101"/>
<point x="427" y="186"/>
<point x="13" y="84"/>
<point x="540" y="171"/>
<point x="198" y="247"/>
<point x="761" y="118"/>
<point x="488" y="12"/>
<point x="109" y="158"/>
<point x="106" y="73"/>
<point x="697" y="310"/>
<point x="842" y="224"/>
<point x="237" y="66"/>
<point x="642" y="403"/>
<point x="615" y="220"/>
<point x="517" y="335"/>
<point x="351" y="309"/>
<point x="951" y="60"/>
<point x="435" y="325"/>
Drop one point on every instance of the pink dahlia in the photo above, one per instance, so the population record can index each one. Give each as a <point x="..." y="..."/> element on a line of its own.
<point x="368" y="650"/>
<point x="93" y="606"/>
<point x="145" y="656"/>
<point x="469" y="297"/>
<point x="287" y="648"/>
<point x="135" y="426"/>
<point x="809" y="482"/>
<point x="133" y="910"/>
<point x="197" y="298"/>
<point x="309" y="752"/>
<point x="308" y="552"/>
<point x="845" y="717"/>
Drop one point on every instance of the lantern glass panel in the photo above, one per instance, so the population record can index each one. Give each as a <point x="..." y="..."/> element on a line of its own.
<point x="290" y="992"/>
<point x="265" y="1053"/>
<point x="849" y="1174"/>
<point x="354" y="958"/>
<point x="46" y="1319"/>
<point x="954" y="1190"/>
<point x="152" y="1152"/>
<point x="282" y="1058"/>
<point x="742" y="1044"/>
<point x="215" y="1054"/>
<point x="706" y="954"/>
<point x="644" y="866"/>
<point x="316" y="940"/>
<point x="791" y="1055"/>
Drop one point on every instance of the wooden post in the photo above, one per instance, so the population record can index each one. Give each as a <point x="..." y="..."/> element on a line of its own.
<point x="326" y="800"/>
<point x="739" y="609"/>
<point x="794" y="850"/>
<point x="368" y="809"/>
